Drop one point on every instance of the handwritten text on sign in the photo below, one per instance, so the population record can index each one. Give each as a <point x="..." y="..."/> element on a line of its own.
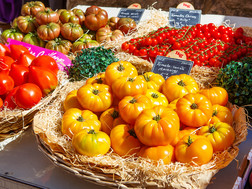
<point x="184" y="17"/>
<point x="135" y="14"/>
<point x="167" y="67"/>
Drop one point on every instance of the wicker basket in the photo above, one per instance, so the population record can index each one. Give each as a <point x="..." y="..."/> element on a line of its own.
<point x="14" y="122"/>
<point x="114" y="171"/>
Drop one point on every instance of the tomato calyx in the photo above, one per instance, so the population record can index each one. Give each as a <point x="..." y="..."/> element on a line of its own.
<point x="189" y="141"/>
<point x="132" y="133"/>
<point x="132" y="101"/>
<point x="157" y="118"/>
<point x="154" y="95"/>
<point x="181" y="83"/>
<point x="194" y="106"/>
<point x="99" y="80"/>
<point x="131" y="79"/>
<point x="115" y="114"/>
<point x="120" y="68"/>
<point x="212" y="129"/>
<point x="80" y="119"/>
<point x="214" y="113"/>
<point x="146" y="77"/>
<point x="95" y="91"/>
<point x="92" y="131"/>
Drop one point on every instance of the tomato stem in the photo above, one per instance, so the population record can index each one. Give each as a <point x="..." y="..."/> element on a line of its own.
<point x="189" y="141"/>
<point x="80" y="119"/>
<point x="95" y="91"/>
<point x="99" y="80"/>
<point x="92" y="131"/>
<point x="157" y="118"/>
<point x="133" y="100"/>
<point x="181" y="83"/>
<point x="132" y="133"/>
<point x="131" y="79"/>
<point x="115" y="114"/>
<point x="215" y="112"/>
<point x="194" y="106"/>
<point x="212" y="129"/>
<point x="154" y="95"/>
<point x="120" y="68"/>
<point x="146" y="77"/>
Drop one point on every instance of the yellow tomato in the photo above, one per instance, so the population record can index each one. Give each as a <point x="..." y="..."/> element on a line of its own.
<point x="118" y="69"/>
<point x="124" y="140"/>
<point x="91" y="143"/>
<point x="177" y="86"/>
<point x="95" y="97"/>
<point x="99" y="78"/>
<point x="71" y="101"/>
<point x="156" y="153"/>
<point x="156" y="97"/>
<point x="75" y="120"/>
<point x="194" y="149"/>
<point x="154" y="81"/>
<point x="217" y="95"/>
<point x="221" y="135"/>
<point x="221" y="114"/>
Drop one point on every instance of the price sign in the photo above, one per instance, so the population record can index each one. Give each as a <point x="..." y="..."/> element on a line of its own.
<point x="167" y="67"/>
<point x="184" y="17"/>
<point x="135" y="14"/>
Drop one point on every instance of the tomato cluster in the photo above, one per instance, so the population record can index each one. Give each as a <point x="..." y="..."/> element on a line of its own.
<point x="24" y="78"/>
<point x="148" y="116"/>
<point x="206" y="45"/>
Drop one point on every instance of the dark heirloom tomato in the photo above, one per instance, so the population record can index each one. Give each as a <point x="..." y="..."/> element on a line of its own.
<point x="46" y="62"/>
<point x="32" y="7"/>
<point x="46" y="16"/>
<point x="12" y="33"/>
<point x="28" y="95"/>
<point x="65" y="15"/>
<point x="6" y="83"/>
<point x="95" y="18"/>
<point x="76" y="16"/>
<point x="112" y="22"/>
<point x="71" y="31"/>
<point x="60" y="45"/>
<point x="126" y="25"/>
<point x="80" y="15"/>
<point x="49" y="31"/>
<point x="33" y="39"/>
<point x="104" y="34"/>
<point x="26" y="24"/>
<point x="44" y="78"/>
<point x="19" y="74"/>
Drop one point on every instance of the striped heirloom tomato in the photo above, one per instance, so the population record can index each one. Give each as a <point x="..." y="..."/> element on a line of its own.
<point x="194" y="110"/>
<point x="157" y="126"/>
<point x="177" y="86"/>
<point x="221" y="135"/>
<point x="75" y="120"/>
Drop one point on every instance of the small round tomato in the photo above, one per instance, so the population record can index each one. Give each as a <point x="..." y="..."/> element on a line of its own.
<point x="47" y="62"/>
<point x="177" y="86"/>
<point x="131" y="106"/>
<point x="221" y="114"/>
<point x="129" y="86"/>
<point x="91" y="143"/>
<point x="118" y="69"/>
<point x="124" y="140"/>
<point x="6" y="83"/>
<point x="194" y="149"/>
<point x="96" y="97"/>
<point x="217" y="95"/>
<point x="71" y="101"/>
<point x="194" y="110"/>
<point x="156" y="97"/>
<point x="221" y="135"/>
<point x="157" y="126"/>
<point x="75" y="120"/>
<point x="154" y="81"/>
<point x="109" y="119"/>
<point x="28" y="95"/>
<point x="157" y="153"/>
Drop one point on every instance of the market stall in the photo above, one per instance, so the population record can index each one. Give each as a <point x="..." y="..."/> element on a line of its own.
<point x="112" y="166"/>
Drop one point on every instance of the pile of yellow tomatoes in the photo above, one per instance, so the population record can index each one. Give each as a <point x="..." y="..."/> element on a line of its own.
<point x="148" y="116"/>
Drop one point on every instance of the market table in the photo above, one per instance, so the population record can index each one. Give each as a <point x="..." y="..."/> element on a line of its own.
<point x="24" y="166"/>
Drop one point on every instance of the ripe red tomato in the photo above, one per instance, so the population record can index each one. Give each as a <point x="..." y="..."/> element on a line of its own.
<point x="125" y="46"/>
<point x="17" y="50"/>
<point x="4" y="50"/>
<point x="6" y="83"/>
<point x="46" y="62"/>
<point x="5" y="64"/>
<point x="19" y="74"/>
<point x="1" y="103"/>
<point x="28" y="95"/>
<point x="25" y="59"/>
<point x="9" y="101"/>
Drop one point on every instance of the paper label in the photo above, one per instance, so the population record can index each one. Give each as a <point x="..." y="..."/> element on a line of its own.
<point x="177" y="54"/>
<point x="185" y="5"/>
